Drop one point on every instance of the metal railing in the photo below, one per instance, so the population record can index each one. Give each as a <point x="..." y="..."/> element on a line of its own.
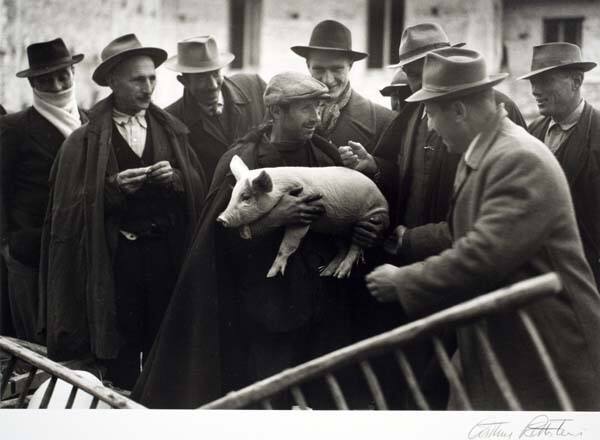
<point x="470" y="313"/>
<point x="39" y="368"/>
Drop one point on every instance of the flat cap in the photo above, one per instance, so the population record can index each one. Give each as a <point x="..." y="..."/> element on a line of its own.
<point x="292" y="86"/>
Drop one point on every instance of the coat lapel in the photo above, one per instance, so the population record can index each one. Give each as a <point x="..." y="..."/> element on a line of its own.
<point x="44" y="134"/>
<point x="239" y="101"/>
<point x="574" y="151"/>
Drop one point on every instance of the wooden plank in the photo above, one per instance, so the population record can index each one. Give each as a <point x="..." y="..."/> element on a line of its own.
<point x="411" y="380"/>
<point x="451" y="373"/>
<point x="336" y="392"/>
<point x="373" y="384"/>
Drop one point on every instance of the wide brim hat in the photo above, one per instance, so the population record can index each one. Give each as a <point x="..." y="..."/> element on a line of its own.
<point x="123" y="47"/>
<point x="452" y="73"/>
<point x="331" y="36"/>
<point x="198" y="55"/>
<point x="48" y="56"/>
<point x="552" y="56"/>
<point x="399" y="81"/>
<point x="417" y="41"/>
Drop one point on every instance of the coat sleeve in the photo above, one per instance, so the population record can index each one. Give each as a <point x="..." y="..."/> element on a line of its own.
<point x="519" y="208"/>
<point x="425" y="241"/>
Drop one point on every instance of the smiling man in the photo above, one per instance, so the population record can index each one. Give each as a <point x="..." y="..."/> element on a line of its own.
<point x="570" y="127"/>
<point x="125" y="197"/>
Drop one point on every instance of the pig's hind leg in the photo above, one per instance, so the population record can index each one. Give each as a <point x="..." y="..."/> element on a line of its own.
<point x="342" y="246"/>
<point x="291" y="240"/>
<point x="345" y="267"/>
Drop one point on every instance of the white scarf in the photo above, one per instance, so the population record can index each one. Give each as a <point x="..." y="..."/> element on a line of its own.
<point x="60" y="109"/>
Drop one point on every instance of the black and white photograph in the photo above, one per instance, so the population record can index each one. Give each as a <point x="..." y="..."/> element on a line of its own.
<point x="327" y="218"/>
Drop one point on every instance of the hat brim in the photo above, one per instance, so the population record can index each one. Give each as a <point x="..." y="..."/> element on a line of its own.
<point x="304" y="51"/>
<point x="99" y="76"/>
<point x="388" y="90"/>
<point x="225" y="58"/>
<point x="419" y="55"/>
<point x="29" y="73"/>
<point x="424" y="95"/>
<point x="581" y="65"/>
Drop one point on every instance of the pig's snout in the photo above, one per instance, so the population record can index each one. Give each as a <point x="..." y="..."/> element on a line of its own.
<point x="223" y="221"/>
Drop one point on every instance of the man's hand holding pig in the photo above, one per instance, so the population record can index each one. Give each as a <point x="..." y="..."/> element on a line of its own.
<point x="355" y="156"/>
<point x="132" y="179"/>
<point x="381" y="283"/>
<point x="298" y="209"/>
<point x="161" y="173"/>
<point x="368" y="233"/>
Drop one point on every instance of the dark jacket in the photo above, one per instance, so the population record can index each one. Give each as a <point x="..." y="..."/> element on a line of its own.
<point x="579" y="157"/>
<point x="198" y="332"/>
<point x="361" y="121"/>
<point x="77" y="305"/>
<point x="243" y="107"/>
<point x="394" y="157"/>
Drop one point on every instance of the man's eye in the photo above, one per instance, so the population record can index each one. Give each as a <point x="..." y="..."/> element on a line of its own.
<point x="245" y="197"/>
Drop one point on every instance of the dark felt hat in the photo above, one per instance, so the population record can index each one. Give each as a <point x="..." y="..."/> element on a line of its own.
<point x="120" y="48"/>
<point x="197" y="55"/>
<point x="399" y="81"/>
<point x="332" y="36"/>
<point x="417" y="41"/>
<point x="453" y="72"/>
<point x="293" y="86"/>
<point x="551" y="56"/>
<point x="48" y="56"/>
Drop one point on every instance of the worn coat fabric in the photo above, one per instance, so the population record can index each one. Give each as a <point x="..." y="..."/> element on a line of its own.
<point x="513" y="219"/>
<point x="360" y="121"/>
<point x="243" y="105"/>
<point x="198" y="331"/>
<point x="28" y="145"/>
<point x="77" y="308"/>
<point x="579" y="156"/>
<point x="394" y="155"/>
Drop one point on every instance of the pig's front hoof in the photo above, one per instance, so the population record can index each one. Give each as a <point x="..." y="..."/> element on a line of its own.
<point x="276" y="269"/>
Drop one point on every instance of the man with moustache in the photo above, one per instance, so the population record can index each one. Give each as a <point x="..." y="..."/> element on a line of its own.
<point x="29" y="142"/>
<point x="217" y="109"/>
<point x="126" y="192"/>
<point x="570" y="127"/>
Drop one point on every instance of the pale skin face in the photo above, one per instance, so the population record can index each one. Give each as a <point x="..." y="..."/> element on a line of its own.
<point x="330" y="68"/>
<point x="414" y="74"/>
<point x="557" y="92"/>
<point x="203" y="87"/>
<point x="54" y="82"/>
<point x="298" y="121"/>
<point x="448" y="120"/>
<point x="132" y="83"/>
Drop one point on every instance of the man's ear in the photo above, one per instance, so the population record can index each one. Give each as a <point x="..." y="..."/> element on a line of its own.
<point x="459" y="110"/>
<point x="262" y="183"/>
<point x="238" y="167"/>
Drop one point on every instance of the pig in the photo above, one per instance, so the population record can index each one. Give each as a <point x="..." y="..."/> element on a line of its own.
<point x="348" y="197"/>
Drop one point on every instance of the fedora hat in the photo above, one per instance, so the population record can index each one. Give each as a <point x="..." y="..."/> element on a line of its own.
<point x="418" y="40"/>
<point x="197" y="55"/>
<point x="120" y="48"/>
<point x="398" y="81"/>
<point x="557" y="56"/>
<point x="48" y="56"/>
<point x="333" y="36"/>
<point x="453" y="72"/>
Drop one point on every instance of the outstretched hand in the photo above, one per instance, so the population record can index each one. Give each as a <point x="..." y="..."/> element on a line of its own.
<point x="355" y="156"/>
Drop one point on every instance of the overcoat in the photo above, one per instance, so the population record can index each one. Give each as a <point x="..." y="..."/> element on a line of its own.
<point x="243" y="105"/>
<point x="579" y="156"/>
<point x="77" y="295"/>
<point x="199" y="331"/>
<point x="361" y="121"/>
<point x="513" y="219"/>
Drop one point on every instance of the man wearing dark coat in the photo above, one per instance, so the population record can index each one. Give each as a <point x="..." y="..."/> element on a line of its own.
<point x="217" y="109"/>
<point x="570" y="127"/>
<point x="512" y="218"/>
<point x="126" y="192"/>
<point x="228" y="325"/>
<point x="347" y="116"/>
<point x="29" y="142"/>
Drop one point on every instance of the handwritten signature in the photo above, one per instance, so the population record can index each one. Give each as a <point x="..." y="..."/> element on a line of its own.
<point x="540" y="426"/>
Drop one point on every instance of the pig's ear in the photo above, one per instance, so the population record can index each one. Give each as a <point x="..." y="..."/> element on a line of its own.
<point x="238" y="167"/>
<point x="262" y="183"/>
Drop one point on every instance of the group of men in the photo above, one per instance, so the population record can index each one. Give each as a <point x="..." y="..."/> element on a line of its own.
<point x="112" y="248"/>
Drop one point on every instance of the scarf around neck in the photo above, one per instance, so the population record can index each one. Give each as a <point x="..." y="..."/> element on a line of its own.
<point x="60" y="109"/>
<point x="331" y="110"/>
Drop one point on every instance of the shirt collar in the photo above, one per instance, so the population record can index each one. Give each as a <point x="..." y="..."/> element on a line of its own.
<point x="123" y="118"/>
<point x="471" y="147"/>
<point x="571" y="120"/>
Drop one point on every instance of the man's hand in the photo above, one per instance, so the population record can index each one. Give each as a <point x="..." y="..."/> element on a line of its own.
<point x="381" y="284"/>
<point x="393" y="243"/>
<point x="132" y="179"/>
<point x="161" y="173"/>
<point x="355" y="156"/>
<point x="294" y="208"/>
<point x="368" y="233"/>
